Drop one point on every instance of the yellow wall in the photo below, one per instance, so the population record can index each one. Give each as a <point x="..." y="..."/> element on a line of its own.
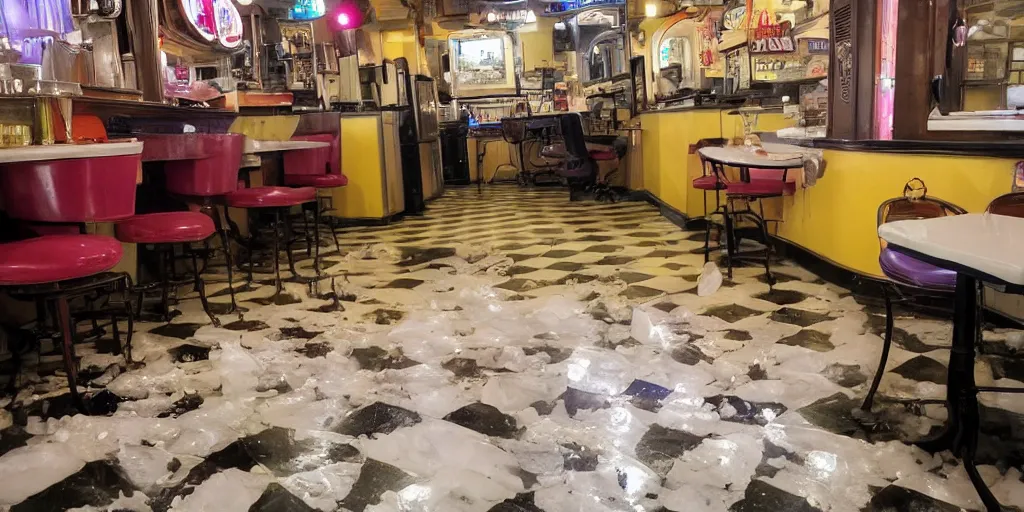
<point x="538" y="45"/>
<point x="363" y="197"/>
<point x="983" y="98"/>
<point x="669" y="168"/>
<point x="836" y="218"/>
<point x="265" y="127"/>
<point x="402" y="43"/>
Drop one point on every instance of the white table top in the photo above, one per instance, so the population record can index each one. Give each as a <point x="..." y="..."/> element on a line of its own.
<point x="740" y="156"/>
<point x="68" y="151"/>
<point x="268" y="146"/>
<point x="990" y="244"/>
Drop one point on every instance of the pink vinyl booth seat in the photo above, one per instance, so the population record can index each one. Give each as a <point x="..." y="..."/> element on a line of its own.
<point x="75" y="190"/>
<point x="214" y="175"/>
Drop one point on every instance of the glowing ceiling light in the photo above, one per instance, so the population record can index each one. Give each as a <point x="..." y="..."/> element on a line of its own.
<point x="343" y="19"/>
<point x="559" y="25"/>
<point x="244" y="2"/>
<point x="651" y="10"/>
<point x="531" y="17"/>
<point x="491" y="17"/>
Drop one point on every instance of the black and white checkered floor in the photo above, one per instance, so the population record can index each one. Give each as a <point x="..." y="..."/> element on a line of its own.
<point x="515" y="352"/>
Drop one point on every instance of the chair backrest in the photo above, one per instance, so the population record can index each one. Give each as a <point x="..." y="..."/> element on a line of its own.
<point x="915" y="204"/>
<point x="1011" y="205"/>
<point x="513" y="130"/>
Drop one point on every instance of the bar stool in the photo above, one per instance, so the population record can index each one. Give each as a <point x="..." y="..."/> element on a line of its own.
<point x="66" y="195"/>
<point x="53" y="270"/>
<point x="205" y="181"/>
<point x="754" y="185"/>
<point x="164" y="231"/>
<point x="908" y="275"/>
<point x="711" y="180"/>
<point x="279" y="200"/>
<point x="319" y="168"/>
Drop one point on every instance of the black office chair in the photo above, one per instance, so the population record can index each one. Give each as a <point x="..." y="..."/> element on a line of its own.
<point x="515" y="131"/>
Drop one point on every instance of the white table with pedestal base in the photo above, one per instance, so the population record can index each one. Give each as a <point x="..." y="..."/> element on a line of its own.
<point x="983" y="249"/>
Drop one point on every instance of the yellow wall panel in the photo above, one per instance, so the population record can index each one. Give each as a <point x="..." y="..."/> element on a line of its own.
<point x="265" y="127"/>
<point x="836" y="218"/>
<point x="363" y="197"/>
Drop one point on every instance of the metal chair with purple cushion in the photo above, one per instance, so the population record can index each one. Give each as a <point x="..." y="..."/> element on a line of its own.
<point x="908" y="274"/>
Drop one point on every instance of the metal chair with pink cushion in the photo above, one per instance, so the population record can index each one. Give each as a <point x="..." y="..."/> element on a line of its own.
<point x="912" y="276"/>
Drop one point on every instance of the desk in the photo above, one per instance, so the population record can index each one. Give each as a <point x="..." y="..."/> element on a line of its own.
<point x="981" y="248"/>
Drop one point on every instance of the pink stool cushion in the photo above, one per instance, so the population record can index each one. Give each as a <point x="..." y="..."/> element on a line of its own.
<point x="55" y="258"/>
<point x="165" y="228"/>
<point x="708" y="183"/>
<point x="758" y="188"/>
<point x="597" y="154"/>
<point x="316" y="181"/>
<point x="270" y="197"/>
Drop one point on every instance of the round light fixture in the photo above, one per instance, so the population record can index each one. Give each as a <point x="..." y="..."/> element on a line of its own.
<point x="343" y="19"/>
<point x="531" y="17"/>
<point x="491" y="17"/>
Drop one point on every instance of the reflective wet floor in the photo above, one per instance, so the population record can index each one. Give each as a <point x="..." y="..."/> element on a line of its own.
<point x="514" y="352"/>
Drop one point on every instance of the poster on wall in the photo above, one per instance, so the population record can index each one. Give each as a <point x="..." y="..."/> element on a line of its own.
<point x="711" y="60"/>
<point x="804" y="64"/>
<point x="770" y="36"/>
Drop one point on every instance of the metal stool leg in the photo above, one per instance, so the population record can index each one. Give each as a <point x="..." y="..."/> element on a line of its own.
<point x="200" y="287"/>
<point x="886" y="344"/>
<point x="225" y="241"/>
<point x="277" y="249"/>
<point x="316" y="239"/>
<point x="767" y="244"/>
<point x="730" y="241"/>
<point x="165" y="281"/>
<point x="288" y="240"/>
<point x="707" y="230"/>
<point x="305" y="230"/>
<point x="68" y="342"/>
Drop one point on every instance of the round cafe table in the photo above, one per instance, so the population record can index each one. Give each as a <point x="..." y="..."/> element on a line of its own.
<point x="981" y="248"/>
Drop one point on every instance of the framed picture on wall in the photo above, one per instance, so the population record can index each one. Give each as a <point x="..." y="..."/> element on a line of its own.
<point x="638" y="75"/>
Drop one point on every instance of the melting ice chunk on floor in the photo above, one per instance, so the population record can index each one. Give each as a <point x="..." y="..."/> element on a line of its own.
<point x="436" y="447"/>
<point x="216" y="424"/>
<point x="511" y="392"/>
<point x="30" y="469"/>
<point x="239" y="370"/>
<point x="721" y="463"/>
<point x="599" y="371"/>
<point x="323" y="488"/>
<point x="232" y="490"/>
<point x="148" y="468"/>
